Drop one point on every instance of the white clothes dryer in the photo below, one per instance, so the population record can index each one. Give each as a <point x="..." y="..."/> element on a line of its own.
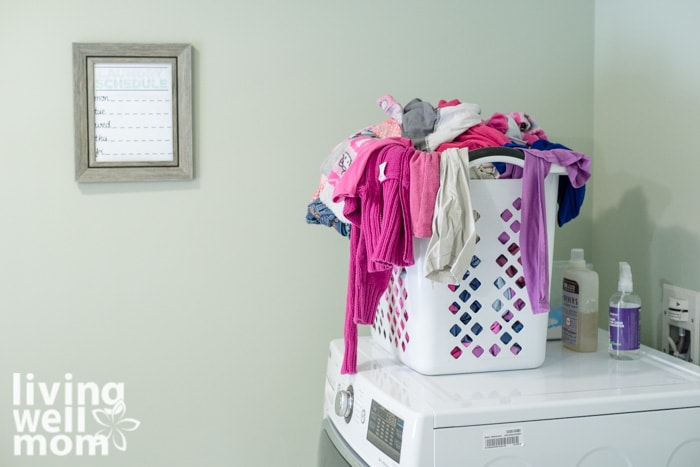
<point x="577" y="409"/>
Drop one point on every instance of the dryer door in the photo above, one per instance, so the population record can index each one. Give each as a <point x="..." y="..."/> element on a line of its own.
<point x="333" y="451"/>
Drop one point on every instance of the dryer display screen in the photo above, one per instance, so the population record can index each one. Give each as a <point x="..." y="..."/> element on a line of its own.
<point x="385" y="431"/>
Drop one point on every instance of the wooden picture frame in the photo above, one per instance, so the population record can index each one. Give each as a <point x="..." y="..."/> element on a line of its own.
<point x="132" y="112"/>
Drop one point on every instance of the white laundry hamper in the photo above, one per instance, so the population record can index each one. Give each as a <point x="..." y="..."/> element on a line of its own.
<point x="484" y="323"/>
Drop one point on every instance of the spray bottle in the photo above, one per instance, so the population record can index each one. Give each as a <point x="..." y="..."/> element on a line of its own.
<point x="579" y="305"/>
<point x="625" y="318"/>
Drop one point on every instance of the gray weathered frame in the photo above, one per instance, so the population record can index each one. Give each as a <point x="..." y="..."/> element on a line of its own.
<point x="86" y="169"/>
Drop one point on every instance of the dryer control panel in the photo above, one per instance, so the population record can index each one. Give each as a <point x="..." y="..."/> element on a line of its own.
<point x="385" y="431"/>
<point x="381" y="426"/>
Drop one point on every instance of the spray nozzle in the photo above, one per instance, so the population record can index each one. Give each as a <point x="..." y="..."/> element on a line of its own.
<point x="625" y="282"/>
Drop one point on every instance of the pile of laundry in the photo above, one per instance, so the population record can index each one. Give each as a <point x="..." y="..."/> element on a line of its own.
<point x="408" y="177"/>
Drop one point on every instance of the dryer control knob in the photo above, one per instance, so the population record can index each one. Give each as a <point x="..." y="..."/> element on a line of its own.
<point x="343" y="403"/>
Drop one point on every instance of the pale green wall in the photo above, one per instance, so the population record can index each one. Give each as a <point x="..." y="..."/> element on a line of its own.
<point x="647" y="96"/>
<point x="212" y="300"/>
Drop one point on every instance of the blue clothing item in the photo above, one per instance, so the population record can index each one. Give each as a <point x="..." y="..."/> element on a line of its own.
<point x="500" y="166"/>
<point x="318" y="213"/>
<point x="569" y="199"/>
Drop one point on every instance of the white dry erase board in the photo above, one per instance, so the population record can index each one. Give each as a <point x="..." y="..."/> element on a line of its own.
<point x="133" y="112"/>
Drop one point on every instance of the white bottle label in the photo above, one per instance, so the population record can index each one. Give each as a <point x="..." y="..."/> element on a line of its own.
<point x="570" y="309"/>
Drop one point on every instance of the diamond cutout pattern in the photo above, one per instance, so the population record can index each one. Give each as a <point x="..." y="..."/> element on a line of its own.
<point x="488" y="332"/>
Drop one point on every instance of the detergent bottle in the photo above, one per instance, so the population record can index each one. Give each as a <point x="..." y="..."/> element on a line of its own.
<point x="579" y="305"/>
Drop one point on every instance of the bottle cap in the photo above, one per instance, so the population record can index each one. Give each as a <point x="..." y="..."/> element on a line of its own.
<point x="577" y="257"/>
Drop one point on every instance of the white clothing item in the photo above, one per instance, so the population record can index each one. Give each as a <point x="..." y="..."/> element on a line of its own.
<point x="326" y="196"/>
<point x="486" y="171"/>
<point x="451" y="246"/>
<point x="333" y="158"/>
<point x="514" y="132"/>
<point x="335" y="166"/>
<point x="451" y="122"/>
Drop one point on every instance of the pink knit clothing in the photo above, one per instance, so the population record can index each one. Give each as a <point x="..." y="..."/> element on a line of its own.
<point x="425" y="183"/>
<point x="517" y="126"/>
<point x="443" y="103"/>
<point x="478" y="136"/>
<point x="347" y="184"/>
<point x="378" y="208"/>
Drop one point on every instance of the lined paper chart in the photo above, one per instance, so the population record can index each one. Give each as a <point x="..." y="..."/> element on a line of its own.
<point x="133" y="112"/>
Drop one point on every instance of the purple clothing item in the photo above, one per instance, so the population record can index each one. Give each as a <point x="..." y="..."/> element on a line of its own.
<point x="511" y="171"/>
<point x="378" y="208"/>
<point x="533" y="235"/>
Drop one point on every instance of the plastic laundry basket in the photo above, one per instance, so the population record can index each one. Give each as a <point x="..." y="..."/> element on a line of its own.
<point x="484" y="323"/>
